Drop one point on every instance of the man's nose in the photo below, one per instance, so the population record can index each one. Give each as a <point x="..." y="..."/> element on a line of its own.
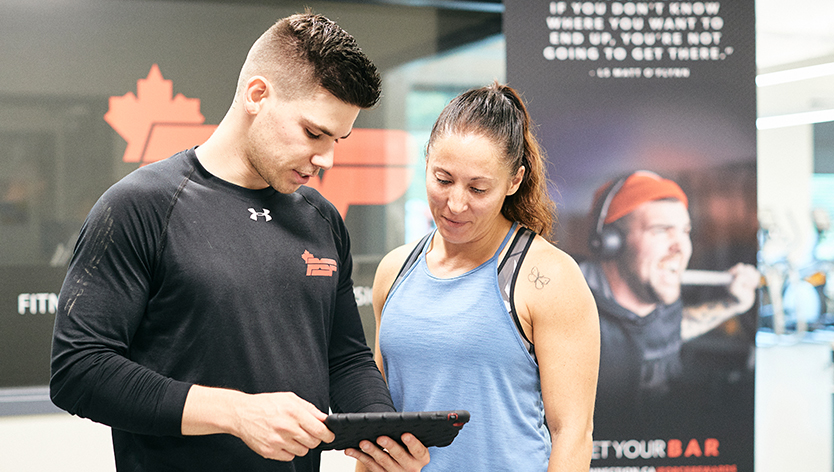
<point x="324" y="159"/>
<point x="679" y="240"/>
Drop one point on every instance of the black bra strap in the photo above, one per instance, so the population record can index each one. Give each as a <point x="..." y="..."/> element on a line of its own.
<point x="411" y="259"/>
<point x="508" y="274"/>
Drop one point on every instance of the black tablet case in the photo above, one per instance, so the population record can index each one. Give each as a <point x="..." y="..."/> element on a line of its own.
<point x="432" y="428"/>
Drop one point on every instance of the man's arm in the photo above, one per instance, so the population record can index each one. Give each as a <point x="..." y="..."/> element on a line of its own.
<point x="356" y="384"/>
<point x="277" y="426"/>
<point x="101" y="305"/>
<point x="700" y="319"/>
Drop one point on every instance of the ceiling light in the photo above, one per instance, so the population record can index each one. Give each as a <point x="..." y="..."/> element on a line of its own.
<point x="794" y="119"/>
<point x="793" y="75"/>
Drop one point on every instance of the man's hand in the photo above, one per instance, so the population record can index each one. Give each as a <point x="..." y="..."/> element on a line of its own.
<point x="278" y="426"/>
<point x="746" y="279"/>
<point x="697" y="320"/>
<point x="388" y="456"/>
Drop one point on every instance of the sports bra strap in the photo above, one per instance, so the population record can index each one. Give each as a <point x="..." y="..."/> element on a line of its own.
<point x="508" y="274"/>
<point x="412" y="258"/>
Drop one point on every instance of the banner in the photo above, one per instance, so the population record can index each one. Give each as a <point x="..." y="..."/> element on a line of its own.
<point x="667" y="87"/>
<point x="28" y="303"/>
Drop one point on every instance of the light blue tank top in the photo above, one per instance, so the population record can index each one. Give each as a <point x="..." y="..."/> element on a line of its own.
<point x="451" y="344"/>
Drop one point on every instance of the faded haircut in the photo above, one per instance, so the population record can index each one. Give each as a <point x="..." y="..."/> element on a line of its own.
<point x="305" y="51"/>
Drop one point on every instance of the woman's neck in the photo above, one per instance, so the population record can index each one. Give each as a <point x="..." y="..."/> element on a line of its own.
<point x="447" y="259"/>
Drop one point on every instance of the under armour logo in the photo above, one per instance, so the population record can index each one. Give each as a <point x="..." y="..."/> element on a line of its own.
<point x="319" y="267"/>
<point x="255" y="214"/>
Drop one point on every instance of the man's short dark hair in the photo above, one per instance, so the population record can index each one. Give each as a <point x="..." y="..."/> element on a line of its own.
<point x="307" y="50"/>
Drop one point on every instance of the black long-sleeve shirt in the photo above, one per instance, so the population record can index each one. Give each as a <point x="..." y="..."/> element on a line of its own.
<point x="181" y="278"/>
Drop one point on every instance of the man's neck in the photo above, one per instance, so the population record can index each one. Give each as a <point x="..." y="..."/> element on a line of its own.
<point x="222" y="158"/>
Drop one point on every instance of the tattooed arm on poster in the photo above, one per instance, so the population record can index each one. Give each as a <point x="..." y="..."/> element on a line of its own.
<point x="700" y="319"/>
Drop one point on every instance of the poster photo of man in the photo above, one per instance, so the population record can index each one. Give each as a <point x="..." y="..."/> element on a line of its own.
<point x="640" y="247"/>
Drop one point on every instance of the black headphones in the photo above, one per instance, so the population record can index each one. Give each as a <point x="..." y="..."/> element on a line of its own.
<point x="606" y="241"/>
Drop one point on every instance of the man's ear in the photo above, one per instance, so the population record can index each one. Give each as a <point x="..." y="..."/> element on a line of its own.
<point x="257" y="90"/>
<point x="519" y="175"/>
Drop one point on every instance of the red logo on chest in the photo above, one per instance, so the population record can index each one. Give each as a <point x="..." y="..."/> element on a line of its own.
<point x="319" y="267"/>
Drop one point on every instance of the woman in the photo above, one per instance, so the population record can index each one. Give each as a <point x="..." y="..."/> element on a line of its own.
<point x="490" y="317"/>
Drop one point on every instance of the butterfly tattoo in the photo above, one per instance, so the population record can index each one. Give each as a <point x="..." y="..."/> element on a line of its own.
<point x="539" y="280"/>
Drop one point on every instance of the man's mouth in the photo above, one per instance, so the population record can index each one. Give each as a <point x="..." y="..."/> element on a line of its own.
<point x="671" y="267"/>
<point x="305" y="175"/>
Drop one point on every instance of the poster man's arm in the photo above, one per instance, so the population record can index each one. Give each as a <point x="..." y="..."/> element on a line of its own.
<point x="700" y="319"/>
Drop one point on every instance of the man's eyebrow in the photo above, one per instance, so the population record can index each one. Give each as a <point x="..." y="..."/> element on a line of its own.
<point x="324" y="130"/>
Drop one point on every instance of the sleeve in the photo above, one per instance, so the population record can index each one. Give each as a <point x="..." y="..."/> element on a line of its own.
<point x="356" y="385"/>
<point x="101" y="305"/>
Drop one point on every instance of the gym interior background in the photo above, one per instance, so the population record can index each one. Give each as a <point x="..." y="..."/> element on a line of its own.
<point x="63" y="60"/>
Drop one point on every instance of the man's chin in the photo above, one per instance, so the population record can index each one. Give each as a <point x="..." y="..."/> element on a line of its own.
<point x="667" y="298"/>
<point x="665" y="293"/>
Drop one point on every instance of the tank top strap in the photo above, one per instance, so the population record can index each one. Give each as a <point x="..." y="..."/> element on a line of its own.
<point x="506" y="239"/>
<point x="415" y="254"/>
<point x="422" y="246"/>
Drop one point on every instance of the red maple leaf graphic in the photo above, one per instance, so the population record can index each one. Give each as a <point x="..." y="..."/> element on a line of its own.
<point x="151" y="110"/>
<point x="156" y="125"/>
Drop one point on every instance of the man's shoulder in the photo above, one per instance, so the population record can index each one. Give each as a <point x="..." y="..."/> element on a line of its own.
<point x="312" y="197"/>
<point x="146" y="191"/>
<point x="161" y="177"/>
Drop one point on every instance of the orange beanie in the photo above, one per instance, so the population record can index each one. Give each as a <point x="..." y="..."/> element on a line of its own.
<point x="639" y="188"/>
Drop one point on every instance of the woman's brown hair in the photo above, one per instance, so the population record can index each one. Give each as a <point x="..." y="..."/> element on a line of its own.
<point x="497" y="112"/>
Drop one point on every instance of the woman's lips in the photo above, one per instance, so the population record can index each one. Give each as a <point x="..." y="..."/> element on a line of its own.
<point x="452" y="222"/>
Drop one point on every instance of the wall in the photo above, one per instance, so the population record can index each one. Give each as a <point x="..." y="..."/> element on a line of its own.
<point x="793" y="406"/>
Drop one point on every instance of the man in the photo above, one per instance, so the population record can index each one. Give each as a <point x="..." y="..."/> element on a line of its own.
<point x="208" y="313"/>
<point x="642" y="246"/>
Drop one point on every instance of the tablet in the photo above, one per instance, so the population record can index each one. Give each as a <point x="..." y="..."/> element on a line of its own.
<point x="432" y="428"/>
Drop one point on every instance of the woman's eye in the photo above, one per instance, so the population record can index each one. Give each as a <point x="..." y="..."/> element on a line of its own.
<point x="311" y="135"/>
<point x="478" y="190"/>
<point x="442" y="181"/>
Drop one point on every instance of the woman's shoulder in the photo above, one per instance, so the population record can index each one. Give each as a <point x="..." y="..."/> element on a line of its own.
<point x="397" y="256"/>
<point x="552" y="288"/>
<point x="392" y="262"/>
<point x="388" y="269"/>
<point x="552" y="265"/>
<point x="546" y="251"/>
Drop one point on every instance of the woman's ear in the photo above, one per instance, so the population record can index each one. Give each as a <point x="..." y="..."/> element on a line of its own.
<point x="519" y="176"/>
